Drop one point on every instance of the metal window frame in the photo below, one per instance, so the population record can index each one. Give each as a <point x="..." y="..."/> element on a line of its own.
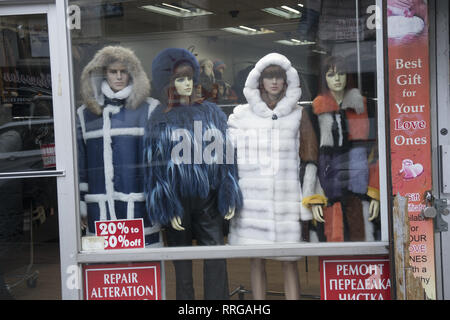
<point x="61" y="95"/>
<point x="440" y="102"/>
<point x="72" y="257"/>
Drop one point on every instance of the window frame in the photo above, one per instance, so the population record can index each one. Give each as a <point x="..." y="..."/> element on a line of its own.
<point x="72" y="236"/>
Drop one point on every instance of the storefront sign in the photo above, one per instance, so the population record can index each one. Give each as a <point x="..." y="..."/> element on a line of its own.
<point x="355" y="278"/>
<point x="121" y="234"/>
<point x="123" y="282"/>
<point x="409" y="108"/>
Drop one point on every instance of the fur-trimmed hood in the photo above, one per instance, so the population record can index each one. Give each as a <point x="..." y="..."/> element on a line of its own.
<point x="293" y="91"/>
<point x="94" y="74"/>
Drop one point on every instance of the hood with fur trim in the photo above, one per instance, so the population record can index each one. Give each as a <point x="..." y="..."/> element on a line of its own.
<point x="163" y="68"/>
<point x="253" y="94"/>
<point x="94" y="74"/>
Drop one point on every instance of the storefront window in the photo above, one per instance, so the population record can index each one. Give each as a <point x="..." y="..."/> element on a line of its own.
<point x="28" y="206"/>
<point x="228" y="122"/>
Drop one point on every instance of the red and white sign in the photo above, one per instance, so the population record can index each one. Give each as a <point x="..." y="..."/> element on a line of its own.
<point x="410" y="130"/>
<point x="140" y="281"/>
<point x="121" y="234"/>
<point x="48" y="155"/>
<point x="355" y="278"/>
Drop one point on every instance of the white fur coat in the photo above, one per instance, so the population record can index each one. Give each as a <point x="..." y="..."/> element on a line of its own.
<point x="267" y="143"/>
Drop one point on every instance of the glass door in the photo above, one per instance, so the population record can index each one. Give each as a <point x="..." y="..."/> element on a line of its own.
<point x="442" y="144"/>
<point x="30" y="167"/>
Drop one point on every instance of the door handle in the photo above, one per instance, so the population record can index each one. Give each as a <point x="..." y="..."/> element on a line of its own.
<point x="32" y="174"/>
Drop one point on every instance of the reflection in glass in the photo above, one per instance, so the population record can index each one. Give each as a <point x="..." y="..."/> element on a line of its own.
<point x="26" y="110"/>
<point x="28" y="215"/>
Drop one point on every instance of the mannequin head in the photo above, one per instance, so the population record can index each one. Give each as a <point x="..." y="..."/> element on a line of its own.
<point x="219" y="69"/>
<point x="206" y="66"/>
<point x="168" y="65"/>
<point x="334" y="75"/>
<point x="181" y="87"/>
<point x="272" y="85"/>
<point x="117" y="76"/>
<point x="336" y="80"/>
<point x="183" y="83"/>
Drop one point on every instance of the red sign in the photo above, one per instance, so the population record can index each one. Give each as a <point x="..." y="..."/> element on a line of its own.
<point x="410" y="134"/>
<point x="140" y="281"/>
<point x="48" y="155"/>
<point x="355" y="278"/>
<point x="121" y="234"/>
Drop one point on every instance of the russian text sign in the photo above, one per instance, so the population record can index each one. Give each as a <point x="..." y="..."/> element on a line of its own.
<point x="355" y="278"/>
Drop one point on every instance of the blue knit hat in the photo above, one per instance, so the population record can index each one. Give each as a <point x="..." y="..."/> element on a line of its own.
<point x="164" y="65"/>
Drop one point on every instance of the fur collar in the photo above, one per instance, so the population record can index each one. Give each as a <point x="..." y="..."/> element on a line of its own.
<point x="93" y="77"/>
<point x="121" y="95"/>
<point x="352" y="100"/>
<point x="293" y="91"/>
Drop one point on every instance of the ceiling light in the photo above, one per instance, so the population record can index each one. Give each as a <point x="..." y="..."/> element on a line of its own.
<point x="295" y="42"/>
<point x="300" y="5"/>
<point x="175" y="7"/>
<point x="283" y="13"/>
<point x="247" y="31"/>
<point x="319" y="51"/>
<point x="175" y="11"/>
<point x="290" y="9"/>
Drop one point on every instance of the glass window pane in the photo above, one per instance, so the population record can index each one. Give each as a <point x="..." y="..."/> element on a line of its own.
<point x="330" y="47"/>
<point x="29" y="246"/>
<point x="26" y="109"/>
<point x="229" y="122"/>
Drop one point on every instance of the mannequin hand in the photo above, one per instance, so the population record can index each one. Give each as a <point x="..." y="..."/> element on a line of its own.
<point x="317" y="213"/>
<point x="176" y="224"/>
<point x="83" y="223"/>
<point x="374" y="209"/>
<point x="230" y="214"/>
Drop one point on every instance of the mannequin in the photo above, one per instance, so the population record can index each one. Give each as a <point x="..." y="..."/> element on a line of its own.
<point x="190" y="198"/>
<point x="225" y="93"/>
<point x="219" y="69"/>
<point x="110" y="130"/>
<point x="207" y="78"/>
<point x="343" y="161"/>
<point x="274" y="199"/>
